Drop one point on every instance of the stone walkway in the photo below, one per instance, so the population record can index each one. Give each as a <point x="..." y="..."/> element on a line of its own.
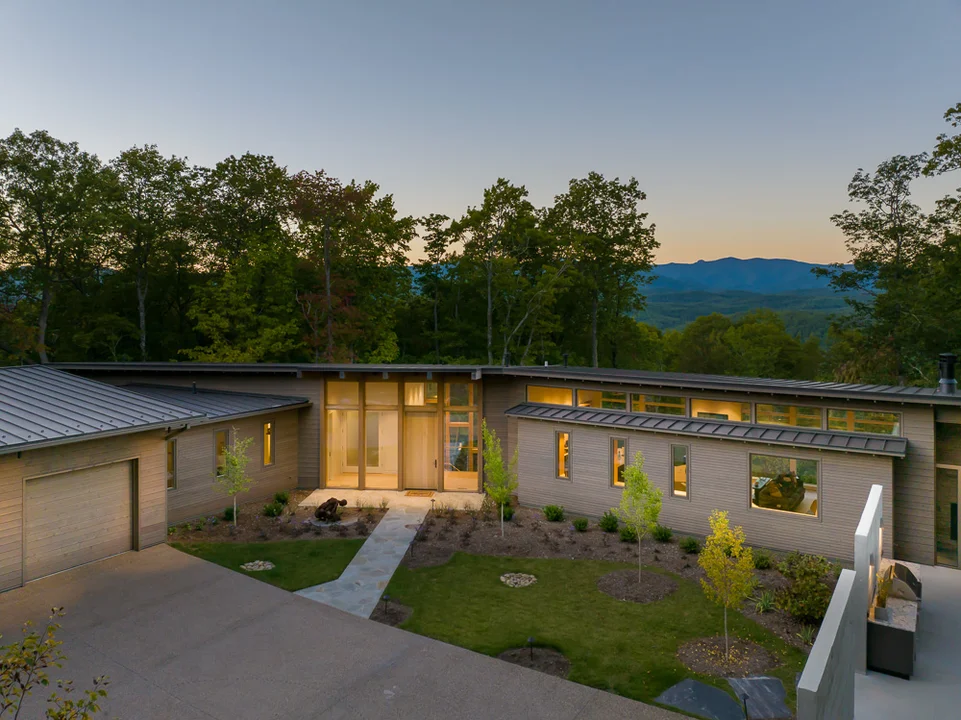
<point x="360" y="586"/>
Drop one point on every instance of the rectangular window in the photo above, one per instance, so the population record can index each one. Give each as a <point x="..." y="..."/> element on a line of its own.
<point x="460" y="394"/>
<point x="550" y="395"/>
<point x="785" y="484"/>
<point x="790" y="415"/>
<point x="865" y="421"/>
<point x="618" y="461"/>
<point x="343" y="448"/>
<point x="380" y="393"/>
<point x="269" y="442"/>
<point x="679" y="470"/>
<point x="343" y="392"/>
<point x="660" y="404"/>
<point x="171" y="464"/>
<point x="420" y="394"/>
<point x="562" y="453"/>
<point x="381" y="449"/>
<point x="721" y="410"/>
<point x="461" y="450"/>
<point x="603" y="399"/>
<point x="221" y="438"/>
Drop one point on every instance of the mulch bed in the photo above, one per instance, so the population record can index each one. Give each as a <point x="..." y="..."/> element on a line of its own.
<point x="393" y="613"/>
<point x="623" y="585"/>
<point x="706" y="656"/>
<point x="253" y="526"/>
<point x="545" y="660"/>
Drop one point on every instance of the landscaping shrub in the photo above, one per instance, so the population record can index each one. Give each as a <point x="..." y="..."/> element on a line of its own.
<point x="608" y="522"/>
<point x="628" y="534"/>
<point x="229" y="514"/>
<point x="808" y="595"/>
<point x="807" y="634"/>
<point x="580" y="524"/>
<point x="273" y="509"/>
<point x="690" y="545"/>
<point x="765" y="602"/>
<point x="662" y="534"/>
<point x="508" y="512"/>
<point x="762" y="560"/>
<point x="282" y="497"/>
<point x="384" y="504"/>
<point x="553" y="513"/>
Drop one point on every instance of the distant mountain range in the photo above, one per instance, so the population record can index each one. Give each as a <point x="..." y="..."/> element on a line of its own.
<point x="733" y="287"/>
<point x="757" y="275"/>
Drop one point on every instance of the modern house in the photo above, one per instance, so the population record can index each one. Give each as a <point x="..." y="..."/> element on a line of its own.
<point x="98" y="458"/>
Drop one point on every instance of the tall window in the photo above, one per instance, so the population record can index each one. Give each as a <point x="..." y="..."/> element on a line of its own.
<point x="171" y="464"/>
<point x="618" y="461"/>
<point x="865" y="421"/>
<point x="461" y="432"/>
<point x="381" y="431"/>
<point x="721" y="410"/>
<point x="420" y="394"/>
<point x="785" y="484"/>
<point x="343" y="433"/>
<point x="269" y="442"/>
<point x="661" y="404"/>
<point x="605" y="399"/>
<point x="550" y="395"/>
<point x="562" y="453"/>
<point x="679" y="470"/>
<point x="790" y="415"/>
<point x="221" y="439"/>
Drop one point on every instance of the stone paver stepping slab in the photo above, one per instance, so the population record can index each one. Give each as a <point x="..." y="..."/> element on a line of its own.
<point x="765" y="697"/>
<point x="359" y="587"/>
<point x="702" y="700"/>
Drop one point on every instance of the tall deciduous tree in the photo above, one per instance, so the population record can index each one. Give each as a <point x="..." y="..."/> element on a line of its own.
<point x="149" y="217"/>
<point x="500" y="478"/>
<point x="612" y="248"/>
<point x="432" y="270"/>
<point x="640" y="503"/>
<point x="729" y="566"/>
<point x="52" y="198"/>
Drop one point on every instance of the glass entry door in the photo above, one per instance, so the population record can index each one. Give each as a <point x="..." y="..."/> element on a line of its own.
<point x="946" y="514"/>
<point x="421" y="448"/>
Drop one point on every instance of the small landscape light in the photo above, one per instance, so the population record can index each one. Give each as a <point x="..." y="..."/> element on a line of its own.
<point x="530" y="644"/>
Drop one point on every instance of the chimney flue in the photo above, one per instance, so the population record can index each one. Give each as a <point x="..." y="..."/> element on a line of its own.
<point x="946" y="382"/>
<point x="193" y="387"/>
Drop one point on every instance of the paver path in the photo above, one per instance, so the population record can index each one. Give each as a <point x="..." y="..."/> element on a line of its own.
<point x="360" y="586"/>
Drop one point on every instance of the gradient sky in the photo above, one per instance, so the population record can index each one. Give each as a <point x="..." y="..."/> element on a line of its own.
<point x="743" y="121"/>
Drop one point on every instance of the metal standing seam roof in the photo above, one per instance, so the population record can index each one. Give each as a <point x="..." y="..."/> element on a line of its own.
<point x="794" y="437"/>
<point x="41" y="406"/>
<point x="218" y="404"/>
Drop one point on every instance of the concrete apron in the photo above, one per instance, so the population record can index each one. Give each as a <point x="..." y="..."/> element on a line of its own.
<point x="359" y="588"/>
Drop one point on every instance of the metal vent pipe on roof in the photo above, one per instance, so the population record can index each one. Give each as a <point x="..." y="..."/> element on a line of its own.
<point x="947" y="385"/>
<point x="193" y="388"/>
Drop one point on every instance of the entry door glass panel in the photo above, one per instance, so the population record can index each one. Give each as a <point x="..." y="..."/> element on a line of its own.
<point x="420" y="450"/>
<point x="946" y="516"/>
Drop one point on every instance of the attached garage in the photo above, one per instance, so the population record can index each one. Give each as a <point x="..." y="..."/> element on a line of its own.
<point x="77" y="517"/>
<point x="82" y="471"/>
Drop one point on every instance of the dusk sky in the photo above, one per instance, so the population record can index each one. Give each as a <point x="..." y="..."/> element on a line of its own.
<point x="743" y="121"/>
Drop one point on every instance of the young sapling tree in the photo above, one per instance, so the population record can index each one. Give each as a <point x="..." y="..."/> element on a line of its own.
<point x="232" y="475"/>
<point x="500" y="480"/>
<point x="640" y="505"/>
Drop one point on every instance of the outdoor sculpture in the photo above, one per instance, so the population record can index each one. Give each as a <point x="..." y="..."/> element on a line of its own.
<point x="327" y="511"/>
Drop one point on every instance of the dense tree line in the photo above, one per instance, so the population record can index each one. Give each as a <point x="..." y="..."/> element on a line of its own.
<point x="905" y="264"/>
<point x="148" y="257"/>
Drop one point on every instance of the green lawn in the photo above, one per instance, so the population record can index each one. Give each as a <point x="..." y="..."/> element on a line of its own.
<point x="623" y="647"/>
<point x="297" y="563"/>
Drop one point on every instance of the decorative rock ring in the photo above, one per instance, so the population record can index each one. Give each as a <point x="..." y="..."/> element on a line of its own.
<point x="518" y="580"/>
<point x="257" y="566"/>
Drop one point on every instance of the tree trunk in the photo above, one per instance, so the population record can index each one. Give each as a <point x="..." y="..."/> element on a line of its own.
<point x="329" y="295"/>
<point x="235" y="517"/>
<point x="46" y="299"/>
<point x="502" y="519"/>
<point x="594" y="311"/>
<point x="436" y="330"/>
<point x="142" y="312"/>
<point x="638" y="558"/>
<point x="490" y="315"/>
<point x="727" y="650"/>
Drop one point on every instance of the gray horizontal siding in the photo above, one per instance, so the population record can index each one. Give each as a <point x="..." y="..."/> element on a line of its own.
<point x="914" y="490"/>
<point x="719" y="479"/>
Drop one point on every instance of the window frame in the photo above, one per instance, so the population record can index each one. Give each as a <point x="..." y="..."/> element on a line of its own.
<point x="226" y="432"/>
<point x="827" y="418"/>
<point x="820" y="408"/>
<point x="273" y="442"/>
<point x="641" y="398"/>
<point x="557" y="455"/>
<point x="600" y="398"/>
<point x="613" y="468"/>
<point x="750" y="409"/>
<point x="176" y="459"/>
<point x="572" y="391"/>
<point x="687" y="458"/>
<point x="750" y="487"/>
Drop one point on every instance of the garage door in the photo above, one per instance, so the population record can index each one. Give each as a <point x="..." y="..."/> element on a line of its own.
<point x="77" y="517"/>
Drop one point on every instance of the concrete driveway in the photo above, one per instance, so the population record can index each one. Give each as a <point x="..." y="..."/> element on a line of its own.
<point x="183" y="638"/>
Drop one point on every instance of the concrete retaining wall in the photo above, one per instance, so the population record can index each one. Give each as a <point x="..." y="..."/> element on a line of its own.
<point x="868" y="549"/>
<point x="826" y="688"/>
